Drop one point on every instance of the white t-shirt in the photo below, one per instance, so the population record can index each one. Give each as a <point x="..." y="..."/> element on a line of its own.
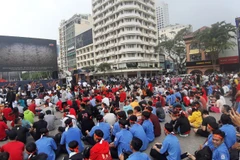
<point x="74" y="121"/>
<point x="167" y="80"/>
<point x="219" y="104"/>
<point x="106" y="101"/>
<point x="29" y="87"/>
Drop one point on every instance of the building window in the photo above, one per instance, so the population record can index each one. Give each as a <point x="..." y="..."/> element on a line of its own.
<point x="196" y="57"/>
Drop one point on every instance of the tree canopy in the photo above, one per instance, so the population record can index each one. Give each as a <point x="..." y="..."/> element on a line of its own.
<point x="103" y="67"/>
<point x="175" y="48"/>
<point x="215" y="39"/>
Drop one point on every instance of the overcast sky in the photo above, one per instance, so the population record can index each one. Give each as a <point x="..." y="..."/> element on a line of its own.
<point x="41" y="18"/>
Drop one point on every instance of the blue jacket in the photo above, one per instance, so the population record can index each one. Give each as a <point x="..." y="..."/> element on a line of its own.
<point x="138" y="131"/>
<point x="122" y="141"/>
<point x="148" y="128"/>
<point x="177" y="94"/>
<point x="230" y="135"/>
<point x="221" y="153"/>
<point x="46" y="145"/>
<point x="72" y="134"/>
<point x="171" y="145"/>
<point x="138" y="156"/>
<point x="105" y="128"/>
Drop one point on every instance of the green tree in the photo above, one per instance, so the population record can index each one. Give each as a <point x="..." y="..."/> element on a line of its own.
<point x="215" y="39"/>
<point x="90" y="68"/>
<point x="103" y="67"/>
<point x="175" y="48"/>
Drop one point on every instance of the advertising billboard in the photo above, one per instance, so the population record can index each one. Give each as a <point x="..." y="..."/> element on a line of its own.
<point x="27" y="54"/>
<point x="84" y="39"/>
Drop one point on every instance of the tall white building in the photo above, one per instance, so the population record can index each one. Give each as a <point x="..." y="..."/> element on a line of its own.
<point x="125" y="35"/>
<point x="67" y="31"/>
<point x="162" y="14"/>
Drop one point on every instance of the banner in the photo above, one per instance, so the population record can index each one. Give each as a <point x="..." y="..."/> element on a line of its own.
<point x="48" y="84"/>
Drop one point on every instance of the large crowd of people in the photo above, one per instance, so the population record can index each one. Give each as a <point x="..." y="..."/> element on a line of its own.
<point x="119" y="118"/>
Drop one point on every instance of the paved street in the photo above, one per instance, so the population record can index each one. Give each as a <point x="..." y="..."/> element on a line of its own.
<point x="188" y="144"/>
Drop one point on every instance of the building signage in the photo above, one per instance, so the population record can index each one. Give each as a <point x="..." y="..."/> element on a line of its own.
<point x="229" y="60"/>
<point x="199" y="63"/>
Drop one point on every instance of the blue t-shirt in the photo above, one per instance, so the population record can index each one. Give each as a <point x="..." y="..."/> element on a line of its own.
<point x="46" y="145"/>
<point x="221" y="153"/>
<point x="72" y="134"/>
<point x="171" y="145"/>
<point x="122" y="141"/>
<point x="138" y="131"/>
<point x="230" y="135"/>
<point x="148" y="128"/>
<point x="116" y="128"/>
<point x="105" y="128"/>
<point x="138" y="156"/>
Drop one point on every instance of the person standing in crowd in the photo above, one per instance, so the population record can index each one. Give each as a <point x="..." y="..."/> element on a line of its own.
<point x="170" y="145"/>
<point x="71" y="134"/>
<point x="135" y="145"/>
<point x="206" y="120"/>
<point x="14" y="147"/>
<point x="46" y="144"/>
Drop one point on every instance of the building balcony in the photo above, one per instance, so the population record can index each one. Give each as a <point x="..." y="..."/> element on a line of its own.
<point x="124" y="24"/>
<point x="134" y="41"/>
<point x="127" y="15"/>
<point x="99" y="56"/>
<point x="133" y="32"/>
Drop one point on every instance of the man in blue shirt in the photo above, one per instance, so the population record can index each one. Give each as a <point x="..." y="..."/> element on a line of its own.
<point x="178" y="94"/>
<point x="220" y="151"/>
<point x="229" y="130"/>
<point x="168" y="99"/>
<point x="71" y="134"/>
<point x="103" y="126"/>
<point x="148" y="126"/>
<point x="212" y="126"/>
<point x="46" y="144"/>
<point x="136" y="144"/>
<point x="170" y="145"/>
<point x="122" y="140"/>
<point x="93" y="101"/>
<point x="173" y="98"/>
<point x="138" y="131"/>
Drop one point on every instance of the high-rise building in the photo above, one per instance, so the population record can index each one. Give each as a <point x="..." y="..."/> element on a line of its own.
<point x="162" y="14"/>
<point x="171" y="30"/>
<point x="67" y="32"/>
<point x="125" y="35"/>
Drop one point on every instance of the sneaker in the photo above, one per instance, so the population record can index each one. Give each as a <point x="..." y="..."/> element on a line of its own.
<point x="183" y="135"/>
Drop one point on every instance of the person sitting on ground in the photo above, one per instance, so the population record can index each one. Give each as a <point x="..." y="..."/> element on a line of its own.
<point x="74" y="152"/>
<point x="46" y="144"/>
<point x="137" y="112"/>
<point x="206" y="120"/>
<point x="134" y="103"/>
<point x="103" y="126"/>
<point x="196" y="118"/>
<point x="148" y="126"/>
<point x="25" y="123"/>
<point x="50" y="119"/>
<point x="21" y="131"/>
<point x="31" y="149"/>
<point x="57" y="139"/>
<point x="127" y="106"/>
<point x="100" y="151"/>
<point x="116" y="127"/>
<point x="135" y="145"/>
<point x="160" y="112"/>
<point x="230" y="132"/>
<point x="108" y="117"/>
<point x="3" y="128"/>
<point x="212" y="126"/>
<point x="122" y="140"/>
<point x="170" y="145"/>
<point x="13" y="147"/>
<point x="154" y="119"/>
<point x="218" y="105"/>
<point x="71" y="134"/>
<point x="28" y="115"/>
<point x="138" y="131"/>
<point x="182" y="125"/>
<point x="37" y="126"/>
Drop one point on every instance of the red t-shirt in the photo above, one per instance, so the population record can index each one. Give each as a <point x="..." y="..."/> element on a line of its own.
<point x="69" y="102"/>
<point x="6" y="112"/>
<point x="3" y="127"/>
<point x="123" y="96"/>
<point x="99" y="98"/>
<point x="150" y="86"/>
<point x="72" y="112"/>
<point x="238" y="89"/>
<point x="186" y="101"/>
<point x="15" y="149"/>
<point x="78" y="102"/>
<point x="100" y="151"/>
<point x="59" y="104"/>
<point x="32" y="107"/>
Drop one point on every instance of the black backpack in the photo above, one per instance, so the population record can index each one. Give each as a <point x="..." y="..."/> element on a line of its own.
<point x="204" y="154"/>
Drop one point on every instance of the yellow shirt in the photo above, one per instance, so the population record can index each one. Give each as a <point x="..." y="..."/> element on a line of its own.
<point x="134" y="104"/>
